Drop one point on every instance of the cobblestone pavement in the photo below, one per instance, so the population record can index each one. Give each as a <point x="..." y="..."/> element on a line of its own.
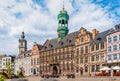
<point x="35" y="78"/>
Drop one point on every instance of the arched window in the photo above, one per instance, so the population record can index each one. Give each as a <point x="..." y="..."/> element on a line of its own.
<point x="63" y="22"/>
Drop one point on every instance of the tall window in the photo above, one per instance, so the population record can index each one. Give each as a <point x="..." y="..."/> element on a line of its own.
<point x="97" y="46"/>
<point x="81" y="60"/>
<point x="97" y="68"/>
<point x="38" y="60"/>
<point x="31" y="61"/>
<point x="109" y="40"/>
<point x="93" y="68"/>
<point x="34" y="60"/>
<point x="86" y="49"/>
<point x="109" y="48"/>
<point x="102" y="56"/>
<point x="77" y="60"/>
<point x="92" y="58"/>
<point x="68" y="66"/>
<point x="82" y="39"/>
<point x="92" y="48"/>
<point x="115" y="47"/>
<point x="115" y="38"/>
<point x="115" y="57"/>
<point x="86" y="68"/>
<point x="102" y="45"/>
<point x="72" y="68"/>
<point x="63" y="22"/>
<point x="77" y="52"/>
<point x="109" y="58"/>
<point x="81" y="50"/>
<point x="86" y="59"/>
<point x="97" y="57"/>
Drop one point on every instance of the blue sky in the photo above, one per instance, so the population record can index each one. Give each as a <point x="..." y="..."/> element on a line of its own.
<point x="38" y="18"/>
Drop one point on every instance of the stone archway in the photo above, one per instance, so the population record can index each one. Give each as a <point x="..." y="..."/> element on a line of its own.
<point x="55" y="70"/>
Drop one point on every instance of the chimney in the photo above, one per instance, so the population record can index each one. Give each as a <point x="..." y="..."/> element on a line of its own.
<point x="94" y="33"/>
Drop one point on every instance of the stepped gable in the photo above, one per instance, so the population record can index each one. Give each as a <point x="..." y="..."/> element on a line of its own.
<point x="69" y="39"/>
<point x="100" y="37"/>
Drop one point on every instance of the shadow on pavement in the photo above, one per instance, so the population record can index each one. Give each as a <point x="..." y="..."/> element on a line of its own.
<point x="49" y="79"/>
<point x="19" y="79"/>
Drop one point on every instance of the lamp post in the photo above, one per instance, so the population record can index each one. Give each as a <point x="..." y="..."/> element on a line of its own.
<point x="111" y="71"/>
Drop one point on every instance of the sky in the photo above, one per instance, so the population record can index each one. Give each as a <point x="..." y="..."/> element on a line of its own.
<point x="38" y="19"/>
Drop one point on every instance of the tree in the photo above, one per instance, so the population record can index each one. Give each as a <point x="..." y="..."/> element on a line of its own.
<point x="8" y="67"/>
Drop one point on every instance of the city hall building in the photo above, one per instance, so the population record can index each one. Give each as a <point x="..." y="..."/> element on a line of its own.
<point x="57" y="54"/>
<point x="72" y="53"/>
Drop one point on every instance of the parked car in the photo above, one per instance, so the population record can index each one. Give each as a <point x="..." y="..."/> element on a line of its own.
<point x="45" y="76"/>
<point x="70" y="75"/>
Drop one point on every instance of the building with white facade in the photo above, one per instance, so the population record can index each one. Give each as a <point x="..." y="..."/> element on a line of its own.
<point x="113" y="47"/>
<point x="23" y="62"/>
<point x="1" y="56"/>
<point x="4" y="60"/>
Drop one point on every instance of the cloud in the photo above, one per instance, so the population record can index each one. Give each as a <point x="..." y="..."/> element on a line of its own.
<point x="39" y="20"/>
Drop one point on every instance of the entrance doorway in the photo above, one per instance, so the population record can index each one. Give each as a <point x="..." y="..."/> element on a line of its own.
<point x="81" y="72"/>
<point x="34" y="72"/>
<point x="55" y="70"/>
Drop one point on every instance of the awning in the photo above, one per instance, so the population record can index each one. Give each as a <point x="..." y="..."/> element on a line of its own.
<point x="105" y="68"/>
<point x="116" y="68"/>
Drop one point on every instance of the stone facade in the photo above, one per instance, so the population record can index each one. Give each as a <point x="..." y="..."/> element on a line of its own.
<point x="58" y="57"/>
<point x="82" y="45"/>
<point x="98" y="52"/>
<point x="35" y="58"/>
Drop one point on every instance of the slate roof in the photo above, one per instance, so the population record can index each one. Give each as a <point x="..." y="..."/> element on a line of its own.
<point x="54" y="43"/>
<point x="100" y="37"/>
<point x="39" y="46"/>
<point x="25" y="53"/>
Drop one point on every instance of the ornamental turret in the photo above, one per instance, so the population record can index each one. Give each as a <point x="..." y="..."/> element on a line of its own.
<point x="63" y="18"/>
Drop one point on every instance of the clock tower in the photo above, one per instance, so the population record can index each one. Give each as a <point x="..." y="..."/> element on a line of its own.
<point x="22" y="43"/>
<point x="63" y="18"/>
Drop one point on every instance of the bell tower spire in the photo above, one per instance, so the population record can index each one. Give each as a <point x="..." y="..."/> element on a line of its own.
<point x="63" y="4"/>
<point x="22" y="43"/>
<point x="63" y="18"/>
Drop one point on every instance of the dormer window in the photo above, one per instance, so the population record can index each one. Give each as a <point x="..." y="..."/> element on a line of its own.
<point x="117" y="27"/>
<point x="50" y="45"/>
<point x="98" y="39"/>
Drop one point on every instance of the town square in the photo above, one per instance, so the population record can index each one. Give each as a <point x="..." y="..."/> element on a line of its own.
<point x="60" y="40"/>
